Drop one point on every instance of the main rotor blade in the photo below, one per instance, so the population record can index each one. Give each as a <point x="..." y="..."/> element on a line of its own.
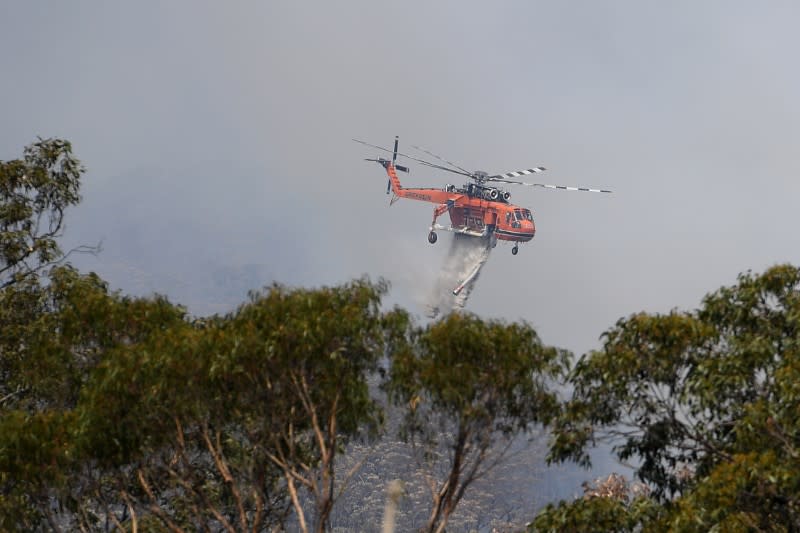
<point x="373" y="146"/>
<point x="427" y="163"/>
<point x="440" y="167"/>
<point x="517" y="174"/>
<point x="441" y="159"/>
<point x="548" y="186"/>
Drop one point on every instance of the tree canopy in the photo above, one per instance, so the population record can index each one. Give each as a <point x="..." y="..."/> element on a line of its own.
<point x="468" y="387"/>
<point x="704" y="403"/>
<point x="35" y="192"/>
<point x="125" y="408"/>
<point x="53" y="338"/>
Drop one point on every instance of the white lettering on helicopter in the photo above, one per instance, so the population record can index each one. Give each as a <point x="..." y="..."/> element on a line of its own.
<point x="418" y="196"/>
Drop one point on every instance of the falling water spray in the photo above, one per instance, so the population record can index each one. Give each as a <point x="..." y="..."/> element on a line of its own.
<point x="459" y="273"/>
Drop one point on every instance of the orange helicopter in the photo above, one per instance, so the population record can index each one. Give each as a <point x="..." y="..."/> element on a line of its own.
<point x="478" y="208"/>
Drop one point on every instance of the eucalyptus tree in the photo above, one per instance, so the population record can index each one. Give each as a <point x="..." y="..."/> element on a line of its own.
<point x="705" y="403"/>
<point x="35" y="192"/>
<point x="469" y="387"/>
<point x="301" y="361"/>
<point x="236" y="422"/>
<point x="54" y="336"/>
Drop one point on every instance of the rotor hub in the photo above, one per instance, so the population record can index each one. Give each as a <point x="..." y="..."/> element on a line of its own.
<point x="480" y="176"/>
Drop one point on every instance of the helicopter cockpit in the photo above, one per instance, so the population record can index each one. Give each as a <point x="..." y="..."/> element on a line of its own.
<point x="518" y="215"/>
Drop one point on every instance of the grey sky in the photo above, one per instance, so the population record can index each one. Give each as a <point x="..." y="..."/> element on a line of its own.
<point x="218" y="135"/>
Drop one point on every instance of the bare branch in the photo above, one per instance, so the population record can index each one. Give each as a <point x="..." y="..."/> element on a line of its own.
<point x="296" y="502"/>
<point x="154" y="507"/>
<point x="131" y="510"/>
<point x="9" y="396"/>
<point x="222" y="467"/>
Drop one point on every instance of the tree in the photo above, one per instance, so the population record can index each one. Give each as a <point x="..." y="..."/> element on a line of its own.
<point x="154" y="422"/>
<point x="307" y="355"/>
<point x="609" y="504"/>
<point x="131" y="414"/>
<point x="469" y="387"/>
<point x="35" y="192"/>
<point x="235" y="421"/>
<point x="53" y="334"/>
<point x="53" y="337"/>
<point x="705" y="402"/>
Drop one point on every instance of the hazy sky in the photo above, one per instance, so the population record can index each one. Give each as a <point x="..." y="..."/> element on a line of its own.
<point x="217" y="135"/>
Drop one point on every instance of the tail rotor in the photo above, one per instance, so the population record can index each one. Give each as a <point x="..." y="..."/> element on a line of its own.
<point x="394" y="162"/>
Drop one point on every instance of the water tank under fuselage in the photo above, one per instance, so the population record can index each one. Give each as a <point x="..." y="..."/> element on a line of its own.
<point x="471" y="218"/>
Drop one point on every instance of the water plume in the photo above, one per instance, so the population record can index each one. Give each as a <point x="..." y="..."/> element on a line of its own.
<point x="459" y="273"/>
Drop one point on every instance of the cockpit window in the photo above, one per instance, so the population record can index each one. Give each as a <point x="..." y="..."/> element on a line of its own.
<point x="518" y="214"/>
<point x="527" y="214"/>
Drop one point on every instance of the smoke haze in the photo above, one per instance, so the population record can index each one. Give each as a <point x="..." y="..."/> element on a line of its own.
<point x="217" y="142"/>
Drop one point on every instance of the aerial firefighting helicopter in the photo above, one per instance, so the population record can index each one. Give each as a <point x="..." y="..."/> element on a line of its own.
<point x="478" y="208"/>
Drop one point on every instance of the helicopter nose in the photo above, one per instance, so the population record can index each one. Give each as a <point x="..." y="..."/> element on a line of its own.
<point x="527" y="226"/>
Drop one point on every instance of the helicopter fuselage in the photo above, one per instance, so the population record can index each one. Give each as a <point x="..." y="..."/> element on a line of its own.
<point x="474" y="209"/>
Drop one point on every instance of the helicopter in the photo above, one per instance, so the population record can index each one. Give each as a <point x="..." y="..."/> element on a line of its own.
<point x="479" y="208"/>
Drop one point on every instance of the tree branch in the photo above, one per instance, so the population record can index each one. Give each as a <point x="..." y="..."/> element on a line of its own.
<point x="222" y="467"/>
<point x="157" y="510"/>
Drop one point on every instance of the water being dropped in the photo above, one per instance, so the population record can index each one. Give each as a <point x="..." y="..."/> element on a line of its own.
<point x="459" y="273"/>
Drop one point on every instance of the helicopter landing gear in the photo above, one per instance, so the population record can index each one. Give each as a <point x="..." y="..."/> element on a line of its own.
<point x="437" y="212"/>
<point x="514" y="250"/>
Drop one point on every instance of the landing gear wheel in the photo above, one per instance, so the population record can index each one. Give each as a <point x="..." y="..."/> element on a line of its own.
<point x="514" y="250"/>
<point x="432" y="237"/>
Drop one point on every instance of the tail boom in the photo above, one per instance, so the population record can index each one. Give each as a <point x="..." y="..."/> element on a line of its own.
<point x="436" y="196"/>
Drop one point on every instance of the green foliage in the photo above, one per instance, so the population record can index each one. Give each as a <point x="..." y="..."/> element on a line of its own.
<point x="114" y="402"/>
<point x="272" y="390"/>
<point x="307" y="356"/>
<point x="314" y="346"/>
<point x="610" y="504"/>
<point x="477" y="372"/>
<point x="33" y="455"/>
<point x="754" y="491"/>
<point x="705" y="402"/>
<point x="587" y="515"/>
<point x="467" y="385"/>
<point x="34" y="194"/>
<point x="54" y="335"/>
